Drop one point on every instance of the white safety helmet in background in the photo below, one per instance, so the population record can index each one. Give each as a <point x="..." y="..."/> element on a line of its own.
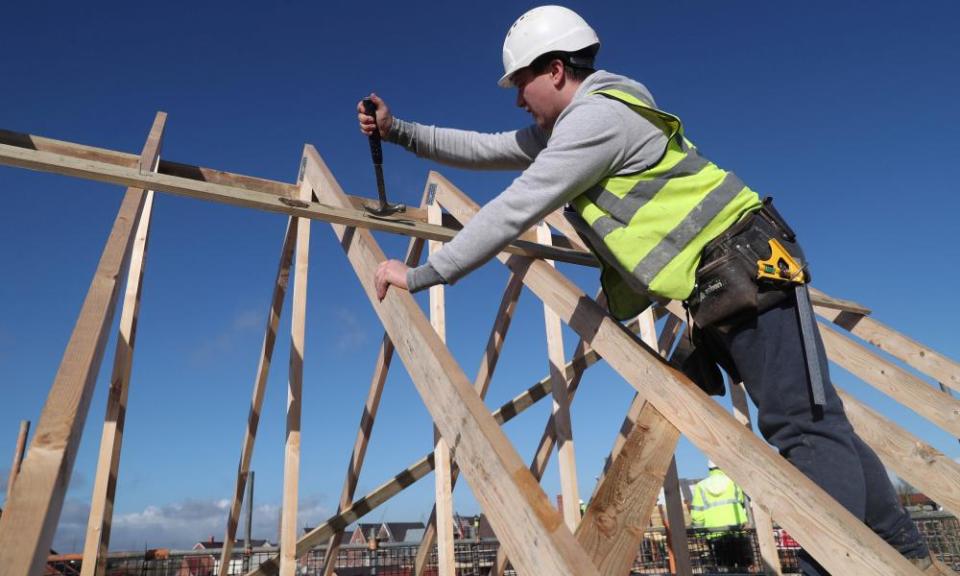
<point x="541" y="30"/>
<point x="711" y="465"/>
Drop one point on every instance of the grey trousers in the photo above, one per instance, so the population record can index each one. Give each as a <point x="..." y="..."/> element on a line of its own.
<point x="766" y="353"/>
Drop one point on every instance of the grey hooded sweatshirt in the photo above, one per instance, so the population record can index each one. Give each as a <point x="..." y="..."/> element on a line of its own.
<point x="593" y="138"/>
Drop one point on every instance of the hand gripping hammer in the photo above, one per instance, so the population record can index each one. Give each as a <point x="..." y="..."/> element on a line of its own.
<point x="384" y="208"/>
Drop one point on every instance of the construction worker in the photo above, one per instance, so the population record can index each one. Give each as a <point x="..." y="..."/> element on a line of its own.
<point x="720" y="508"/>
<point x="666" y="224"/>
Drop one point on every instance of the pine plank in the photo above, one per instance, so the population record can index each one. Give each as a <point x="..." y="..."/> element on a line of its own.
<point x="280" y="285"/>
<point x="566" y="453"/>
<point x="528" y="527"/>
<point x="291" y="454"/>
<point x="346" y="214"/>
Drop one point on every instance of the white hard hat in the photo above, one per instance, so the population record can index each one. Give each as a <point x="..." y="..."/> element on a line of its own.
<point x="541" y="30"/>
<point x="711" y="465"/>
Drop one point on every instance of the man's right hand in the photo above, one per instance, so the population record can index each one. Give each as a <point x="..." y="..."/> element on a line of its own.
<point x="384" y="118"/>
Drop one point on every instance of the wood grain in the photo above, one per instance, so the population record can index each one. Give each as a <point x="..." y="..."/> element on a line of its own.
<point x="280" y="284"/>
<point x="291" y="451"/>
<point x="528" y="527"/>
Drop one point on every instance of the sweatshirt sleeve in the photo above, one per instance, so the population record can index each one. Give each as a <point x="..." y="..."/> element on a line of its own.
<point x="587" y="144"/>
<point x="513" y="150"/>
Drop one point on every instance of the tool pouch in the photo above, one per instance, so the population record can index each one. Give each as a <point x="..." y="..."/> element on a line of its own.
<point x="727" y="291"/>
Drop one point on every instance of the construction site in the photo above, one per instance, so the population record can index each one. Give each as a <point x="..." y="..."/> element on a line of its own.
<point x="623" y="509"/>
<point x="531" y="534"/>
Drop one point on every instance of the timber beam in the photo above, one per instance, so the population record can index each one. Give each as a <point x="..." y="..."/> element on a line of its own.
<point x="527" y="525"/>
<point x="68" y="158"/>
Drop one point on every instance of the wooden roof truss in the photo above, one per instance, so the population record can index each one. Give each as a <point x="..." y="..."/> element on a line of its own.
<point x="534" y="536"/>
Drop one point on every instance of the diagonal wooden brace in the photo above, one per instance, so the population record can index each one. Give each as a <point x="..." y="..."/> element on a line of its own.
<point x="529" y="527"/>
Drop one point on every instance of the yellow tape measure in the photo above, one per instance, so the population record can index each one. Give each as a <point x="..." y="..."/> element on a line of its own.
<point x="780" y="267"/>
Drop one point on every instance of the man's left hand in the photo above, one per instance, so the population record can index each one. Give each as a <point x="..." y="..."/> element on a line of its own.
<point x="390" y="272"/>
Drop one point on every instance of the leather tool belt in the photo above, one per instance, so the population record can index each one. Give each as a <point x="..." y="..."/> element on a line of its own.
<point x="727" y="290"/>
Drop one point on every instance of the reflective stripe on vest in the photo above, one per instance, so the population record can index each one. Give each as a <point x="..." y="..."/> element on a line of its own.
<point x="655" y="223"/>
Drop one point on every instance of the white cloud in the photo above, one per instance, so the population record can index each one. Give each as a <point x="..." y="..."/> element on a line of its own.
<point x="177" y="525"/>
<point x="210" y="349"/>
<point x="248" y="319"/>
<point x="352" y="334"/>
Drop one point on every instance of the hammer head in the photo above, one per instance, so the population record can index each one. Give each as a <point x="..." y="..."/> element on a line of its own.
<point x="383" y="208"/>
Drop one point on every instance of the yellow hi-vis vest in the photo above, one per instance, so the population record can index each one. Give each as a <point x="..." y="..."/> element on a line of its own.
<point x="649" y="228"/>
<point x="717" y="502"/>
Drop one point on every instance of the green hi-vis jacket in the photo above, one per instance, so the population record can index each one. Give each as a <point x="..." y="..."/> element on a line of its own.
<point x="649" y="228"/>
<point x="717" y="502"/>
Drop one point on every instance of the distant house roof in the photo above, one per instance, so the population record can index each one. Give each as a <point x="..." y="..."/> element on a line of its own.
<point x="414" y="535"/>
<point x="361" y="532"/>
<point x="398" y="531"/>
<point x="210" y="544"/>
<point x="385" y="532"/>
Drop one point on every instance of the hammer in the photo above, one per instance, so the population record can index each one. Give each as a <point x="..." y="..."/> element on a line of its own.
<point x="384" y="208"/>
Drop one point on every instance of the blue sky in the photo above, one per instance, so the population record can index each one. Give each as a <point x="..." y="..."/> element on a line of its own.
<point x="844" y="111"/>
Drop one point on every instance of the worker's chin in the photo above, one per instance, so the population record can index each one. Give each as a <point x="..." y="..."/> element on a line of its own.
<point x="545" y="124"/>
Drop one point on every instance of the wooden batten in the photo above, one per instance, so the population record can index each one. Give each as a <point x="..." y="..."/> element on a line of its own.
<point x="566" y="454"/>
<point x="259" y="389"/>
<point x="291" y="459"/>
<point x="345" y="214"/>
<point x="443" y="486"/>
<point x="100" y="518"/>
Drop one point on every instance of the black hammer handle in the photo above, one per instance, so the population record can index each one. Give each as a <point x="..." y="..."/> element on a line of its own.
<point x="370" y="109"/>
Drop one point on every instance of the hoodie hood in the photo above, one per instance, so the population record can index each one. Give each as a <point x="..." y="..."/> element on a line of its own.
<point x="716" y="483"/>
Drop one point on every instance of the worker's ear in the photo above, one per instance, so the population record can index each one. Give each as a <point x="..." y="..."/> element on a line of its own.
<point x="557" y="73"/>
